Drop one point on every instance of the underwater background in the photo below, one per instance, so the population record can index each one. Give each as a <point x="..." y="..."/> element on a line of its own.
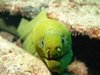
<point x="84" y="48"/>
<point x="87" y="50"/>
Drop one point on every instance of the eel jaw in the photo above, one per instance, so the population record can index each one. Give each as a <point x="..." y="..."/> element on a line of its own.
<point x="57" y="58"/>
<point x="56" y="64"/>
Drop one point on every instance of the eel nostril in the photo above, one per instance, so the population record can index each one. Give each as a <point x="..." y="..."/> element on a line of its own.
<point x="48" y="52"/>
<point x="58" y="49"/>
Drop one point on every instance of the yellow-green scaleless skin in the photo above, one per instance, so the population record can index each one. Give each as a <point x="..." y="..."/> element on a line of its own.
<point x="48" y="39"/>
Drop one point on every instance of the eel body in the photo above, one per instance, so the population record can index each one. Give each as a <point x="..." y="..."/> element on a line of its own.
<point x="47" y="39"/>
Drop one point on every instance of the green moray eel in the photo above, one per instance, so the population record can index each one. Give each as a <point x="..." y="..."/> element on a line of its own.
<point x="47" y="39"/>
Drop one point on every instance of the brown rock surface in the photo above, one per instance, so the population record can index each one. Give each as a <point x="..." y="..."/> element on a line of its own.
<point x="15" y="61"/>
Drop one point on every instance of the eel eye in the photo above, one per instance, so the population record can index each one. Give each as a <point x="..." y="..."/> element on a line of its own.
<point x="42" y="42"/>
<point x="63" y="40"/>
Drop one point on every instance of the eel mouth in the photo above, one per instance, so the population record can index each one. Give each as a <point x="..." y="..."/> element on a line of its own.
<point x="57" y="58"/>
